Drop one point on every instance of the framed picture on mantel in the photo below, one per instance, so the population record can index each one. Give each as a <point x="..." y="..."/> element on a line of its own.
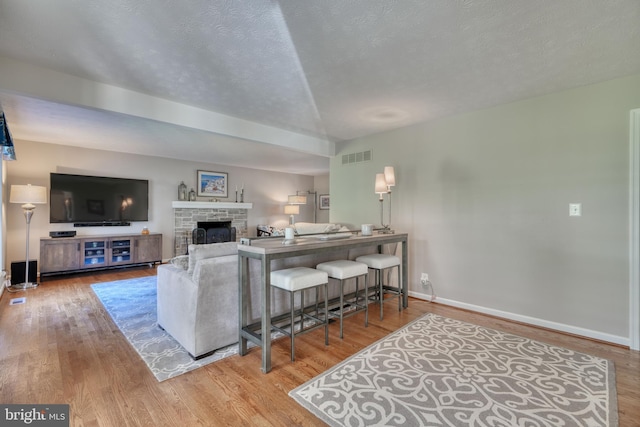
<point x="212" y="184"/>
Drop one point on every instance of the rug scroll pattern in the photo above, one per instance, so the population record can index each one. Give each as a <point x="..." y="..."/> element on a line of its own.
<point x="442" y="372"/>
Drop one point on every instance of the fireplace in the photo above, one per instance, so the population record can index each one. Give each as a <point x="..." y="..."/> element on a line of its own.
<point x="213" y="232"/>
<point x="187" y="215"/>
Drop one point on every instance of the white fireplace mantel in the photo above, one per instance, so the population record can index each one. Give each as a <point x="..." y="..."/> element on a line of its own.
<point x="210" y="205"/>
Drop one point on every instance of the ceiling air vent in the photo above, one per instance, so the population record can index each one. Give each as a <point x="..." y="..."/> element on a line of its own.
<point x="362" y="156"/>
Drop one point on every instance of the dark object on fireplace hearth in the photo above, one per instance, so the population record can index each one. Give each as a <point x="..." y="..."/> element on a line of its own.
<point x="213" y="232"/>
<point x="199" y="236"/>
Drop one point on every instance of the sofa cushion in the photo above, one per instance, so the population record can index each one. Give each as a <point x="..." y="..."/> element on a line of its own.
<point x="181" y="261"/>
<point x="302" y="228"/>
<point x="312" y="228"/>
<point x="211" y="250"/>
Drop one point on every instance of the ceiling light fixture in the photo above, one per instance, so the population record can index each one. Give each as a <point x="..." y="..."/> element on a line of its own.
<point x="384" y="115"/>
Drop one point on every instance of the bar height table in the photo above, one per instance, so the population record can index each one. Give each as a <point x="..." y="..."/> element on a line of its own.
<point x="267" y="250"/>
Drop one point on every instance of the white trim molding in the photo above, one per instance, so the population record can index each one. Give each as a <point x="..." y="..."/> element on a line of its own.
<point x="634" y="230"/>
<point x="570" y="329"/>
<point x="210" y="205"/>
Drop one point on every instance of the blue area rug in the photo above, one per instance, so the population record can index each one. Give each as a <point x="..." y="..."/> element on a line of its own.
<point x="132" y="306"/>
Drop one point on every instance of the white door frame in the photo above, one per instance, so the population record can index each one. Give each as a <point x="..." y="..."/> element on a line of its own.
<point x="634" y="229"/>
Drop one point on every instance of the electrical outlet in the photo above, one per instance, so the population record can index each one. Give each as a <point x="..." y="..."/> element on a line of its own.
<point x="424" y="278"/>
<point x="575" y="209"/>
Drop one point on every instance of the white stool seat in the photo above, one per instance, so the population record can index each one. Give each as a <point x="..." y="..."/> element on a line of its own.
<point x="379" y="261"/>
<point x="297" y="278"/>
<point x="343" y="269"/>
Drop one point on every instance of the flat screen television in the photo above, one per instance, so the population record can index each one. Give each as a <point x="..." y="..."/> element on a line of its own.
<point x="97" y="200"/>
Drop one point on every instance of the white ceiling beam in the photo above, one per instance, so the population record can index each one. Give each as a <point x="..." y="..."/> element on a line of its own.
<point x="42" y="83"/>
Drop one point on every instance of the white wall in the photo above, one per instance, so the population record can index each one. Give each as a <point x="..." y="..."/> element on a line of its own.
<point x="321" y="186"/>
<point x="267" y="191"/>
<point x="485" y="198"/>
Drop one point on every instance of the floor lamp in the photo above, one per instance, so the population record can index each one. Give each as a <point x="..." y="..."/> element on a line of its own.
<point x="300" y="198"/>
<point x="29" y="195"/>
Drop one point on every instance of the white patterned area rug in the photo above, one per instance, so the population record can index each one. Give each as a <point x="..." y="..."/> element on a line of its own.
<point x="132" y="306"/>
<point x="442" y="372"/>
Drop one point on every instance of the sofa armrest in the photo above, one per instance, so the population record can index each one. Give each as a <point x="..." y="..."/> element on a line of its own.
<point x="176" y="291"/>
<point x="217" y="310"/>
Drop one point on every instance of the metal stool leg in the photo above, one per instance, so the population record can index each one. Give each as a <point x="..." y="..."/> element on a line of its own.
<point x="400" y="290"/>
<point x="366" y="298"/>
<point x="381" y="290"/>
<point x="341" y="306"/>
<point x="381" y="274"/>
<point x="293" y="322"/>
<point x="326" y="313"/>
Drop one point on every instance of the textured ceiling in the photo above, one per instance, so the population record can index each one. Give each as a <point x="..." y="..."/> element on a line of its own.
<point x="329" y="70"/>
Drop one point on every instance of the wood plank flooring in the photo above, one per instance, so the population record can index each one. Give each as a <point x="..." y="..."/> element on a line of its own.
<point x="62" y="347"/>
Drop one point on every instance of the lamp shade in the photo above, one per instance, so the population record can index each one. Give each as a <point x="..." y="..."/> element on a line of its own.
<point x="8" y="150"/>
<point x="389" y="176"/>
<point x="34" y="194"/>
<point x="297" y="200"/>
<point x="291" y="209"/>
<point x="381" y="184"/>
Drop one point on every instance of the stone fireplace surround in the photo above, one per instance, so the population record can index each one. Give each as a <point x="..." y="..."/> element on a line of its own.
<point x="188" y="214"/>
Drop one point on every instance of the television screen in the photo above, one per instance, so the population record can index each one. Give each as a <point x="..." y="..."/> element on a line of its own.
<point x="96" y="200"/>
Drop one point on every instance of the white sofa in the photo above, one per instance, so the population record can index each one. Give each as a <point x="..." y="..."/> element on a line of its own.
<point x="304" y="228"/>
<point x="197" y="305"/>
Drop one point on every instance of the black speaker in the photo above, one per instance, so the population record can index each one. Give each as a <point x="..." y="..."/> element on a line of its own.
<point x="17" y="271"/>
<point x="198" y="236"/>
<point x="56" y="234"/>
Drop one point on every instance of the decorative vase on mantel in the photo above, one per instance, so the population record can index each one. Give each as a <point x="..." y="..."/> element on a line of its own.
<point x="182" y="191"/>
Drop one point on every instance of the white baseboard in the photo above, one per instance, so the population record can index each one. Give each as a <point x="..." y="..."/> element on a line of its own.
<point x="575" y="330"/>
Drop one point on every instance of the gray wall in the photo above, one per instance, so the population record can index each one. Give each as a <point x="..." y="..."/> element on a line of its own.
<point x="485" y="197"/>
<point x="267" y="191"/>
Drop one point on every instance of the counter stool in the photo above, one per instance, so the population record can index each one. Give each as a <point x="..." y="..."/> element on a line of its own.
<point x="300" y="279"/>
<point x="342" y="270"/>
<point x="379" y="263"/>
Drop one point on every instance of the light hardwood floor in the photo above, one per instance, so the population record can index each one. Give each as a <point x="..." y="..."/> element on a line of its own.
<point x="62" y="347"/>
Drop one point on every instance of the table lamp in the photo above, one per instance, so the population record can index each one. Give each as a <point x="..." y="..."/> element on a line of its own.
<point x="292" y="210"/>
